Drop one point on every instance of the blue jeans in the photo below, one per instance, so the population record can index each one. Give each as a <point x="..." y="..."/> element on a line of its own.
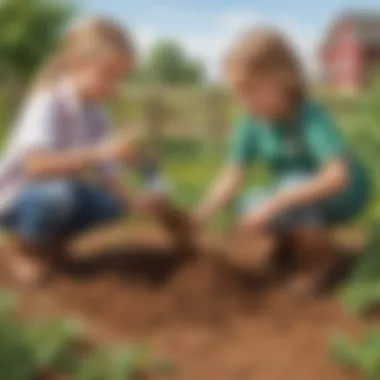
<point x="335" y="209"/>
<point x="57" y="208"/>
<point x="310" y="215"/>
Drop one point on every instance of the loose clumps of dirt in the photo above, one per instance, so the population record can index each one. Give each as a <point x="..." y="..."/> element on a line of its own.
<point x="212" y="320"/>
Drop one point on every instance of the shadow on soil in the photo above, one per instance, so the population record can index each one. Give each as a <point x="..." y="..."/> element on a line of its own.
<point x="156" y="267"/>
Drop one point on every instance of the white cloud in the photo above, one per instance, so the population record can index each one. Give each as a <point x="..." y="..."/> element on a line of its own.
<point x="210" y="44"/>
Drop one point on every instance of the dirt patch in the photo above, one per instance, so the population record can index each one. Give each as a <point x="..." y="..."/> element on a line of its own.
<point x="214" y="322"/>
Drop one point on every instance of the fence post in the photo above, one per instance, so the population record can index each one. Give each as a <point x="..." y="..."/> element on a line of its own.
<point x="155" y="116"/>
<point x="216" y="120"/>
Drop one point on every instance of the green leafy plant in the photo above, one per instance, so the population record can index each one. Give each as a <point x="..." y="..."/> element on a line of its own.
<point x="30" y="348"/>
<point x="362" y="292"/>
<point x="363" y="357"/>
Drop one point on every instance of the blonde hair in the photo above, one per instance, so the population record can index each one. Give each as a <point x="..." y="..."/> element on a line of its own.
<point x="85" y="38"/>
<point x="265" y="52"/>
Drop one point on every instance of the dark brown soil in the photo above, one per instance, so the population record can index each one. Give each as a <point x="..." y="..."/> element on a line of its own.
<point x="213" y="322"/>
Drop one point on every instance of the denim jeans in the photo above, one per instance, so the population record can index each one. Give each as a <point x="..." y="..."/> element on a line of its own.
<point x="55" y="208"/>
<point x="305" y="215"/>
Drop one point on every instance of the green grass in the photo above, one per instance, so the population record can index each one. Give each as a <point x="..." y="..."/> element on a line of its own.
<point x="192" y="170"/>
<point x="191" y="179"/>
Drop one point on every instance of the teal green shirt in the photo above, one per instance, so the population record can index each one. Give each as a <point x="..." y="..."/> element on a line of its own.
<point x="304" y="146"/>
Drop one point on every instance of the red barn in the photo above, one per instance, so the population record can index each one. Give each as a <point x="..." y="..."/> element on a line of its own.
<point x="350" y="52"/>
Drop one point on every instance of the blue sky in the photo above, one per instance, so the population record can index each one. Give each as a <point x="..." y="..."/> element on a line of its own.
<point x="206" y="27"/>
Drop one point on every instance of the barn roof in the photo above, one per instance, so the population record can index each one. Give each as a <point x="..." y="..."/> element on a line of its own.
<point x="367" y="25"/>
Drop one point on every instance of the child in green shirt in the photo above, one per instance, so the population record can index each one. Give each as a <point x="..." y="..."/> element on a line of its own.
<point x="319" y="181"/>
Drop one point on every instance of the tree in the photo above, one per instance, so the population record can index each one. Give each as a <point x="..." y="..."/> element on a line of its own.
<point x="168" y="63"/>
<point x="30" y="30"/>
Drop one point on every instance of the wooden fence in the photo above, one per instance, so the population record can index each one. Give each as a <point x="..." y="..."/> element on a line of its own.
<point x="188" y="112"/>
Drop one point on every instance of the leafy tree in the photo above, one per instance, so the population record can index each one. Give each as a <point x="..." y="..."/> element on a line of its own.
<point x="30" y="30"/>
<point x="168" y="63"/>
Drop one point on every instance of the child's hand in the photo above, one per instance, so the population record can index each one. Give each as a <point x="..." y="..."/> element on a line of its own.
<point x="122" y="148"/>
<point x="199" y="220"/>
<point x="259" y="220"/>
<point x="145" y="204"/>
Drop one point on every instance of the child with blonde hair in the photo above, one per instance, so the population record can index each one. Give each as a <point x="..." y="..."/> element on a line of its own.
<point x="60" y="173"/>
<point x="318" y="180"/>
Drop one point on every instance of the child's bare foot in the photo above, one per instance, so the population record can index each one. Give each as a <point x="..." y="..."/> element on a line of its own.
<point x="28" y="271"/>
<point x="26" y="264"/>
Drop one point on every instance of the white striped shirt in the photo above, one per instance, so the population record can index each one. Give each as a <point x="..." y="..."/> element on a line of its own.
<point x="56" y="120"/>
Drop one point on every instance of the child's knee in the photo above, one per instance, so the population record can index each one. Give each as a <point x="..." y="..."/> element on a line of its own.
<point x="54" y="198"/>
<point x="43" y="210"/>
